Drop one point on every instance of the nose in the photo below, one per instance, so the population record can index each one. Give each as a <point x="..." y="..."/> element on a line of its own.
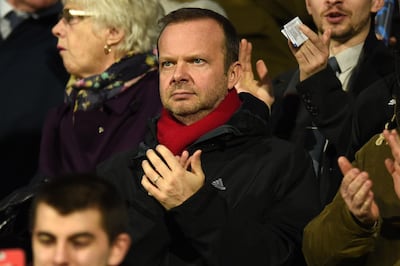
<point x="331" y="2"/>
<point x="180" y="72"/>
<point x="61" y="254"/>
<point x="58" y="28"/>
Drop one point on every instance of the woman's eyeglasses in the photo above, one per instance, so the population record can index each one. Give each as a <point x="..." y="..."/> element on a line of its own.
<point x="70" y="16"/>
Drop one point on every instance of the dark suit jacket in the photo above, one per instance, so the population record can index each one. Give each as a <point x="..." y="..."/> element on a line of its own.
<point x="32" y="80"/>
<point x="373" y="111"/>
<point x="320" y="102"/>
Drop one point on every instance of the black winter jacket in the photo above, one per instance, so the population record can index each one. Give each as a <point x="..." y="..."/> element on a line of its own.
<point x="258" y="195"/>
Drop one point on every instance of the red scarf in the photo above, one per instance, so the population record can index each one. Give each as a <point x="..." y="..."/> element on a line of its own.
<point x="177" y="136"/>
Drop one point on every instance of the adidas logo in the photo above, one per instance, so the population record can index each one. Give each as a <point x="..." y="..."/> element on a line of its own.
<point x="218" y="184"/>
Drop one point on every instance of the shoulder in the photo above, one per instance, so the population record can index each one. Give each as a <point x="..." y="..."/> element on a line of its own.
<point x="116" y="163"/>
<point x="288" y="149"/>
<point x="373" y="152"/>
<point x="150" y="80"/>
<point x="376" y="143"/>
<point x="280" y="156"/>
<point x="377" y="96"/>
<point x="381" y="58"/>
<point x="55" y="115"/>
<point x="282" y="81"/>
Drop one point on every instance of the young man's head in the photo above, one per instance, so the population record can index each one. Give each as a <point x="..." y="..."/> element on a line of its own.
<point x="198" y="55"/>
<point x="79" y="220"/>
<point x="349" y="20"/>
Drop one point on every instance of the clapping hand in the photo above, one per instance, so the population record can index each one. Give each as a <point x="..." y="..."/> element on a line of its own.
<point x="262" y="88"/>
<point x="393" y="165"/>
<point x="356" y="191"/>
<point x="169" y="179"/>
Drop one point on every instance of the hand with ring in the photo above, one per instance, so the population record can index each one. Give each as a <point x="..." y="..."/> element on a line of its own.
<point x="176" y="178"/>
<point x="156" y="179"/>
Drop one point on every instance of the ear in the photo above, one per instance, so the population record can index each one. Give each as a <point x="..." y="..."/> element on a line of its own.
<point x="376" y="5"/>
<point x="114" y="36"/>
<point x="234" y="72"/>
<point x="119" y="248"/>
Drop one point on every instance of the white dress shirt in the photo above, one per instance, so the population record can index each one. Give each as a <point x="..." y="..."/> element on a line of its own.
<point x="347" y="61"/>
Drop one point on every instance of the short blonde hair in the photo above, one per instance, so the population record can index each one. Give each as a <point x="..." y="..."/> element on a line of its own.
<point x="138" y="19"/>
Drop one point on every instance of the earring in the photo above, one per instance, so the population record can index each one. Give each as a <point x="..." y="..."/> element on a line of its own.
<point x="107" y="49"/>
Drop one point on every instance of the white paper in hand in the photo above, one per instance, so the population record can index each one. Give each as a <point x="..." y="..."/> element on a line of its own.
<point x="292" y="32"/>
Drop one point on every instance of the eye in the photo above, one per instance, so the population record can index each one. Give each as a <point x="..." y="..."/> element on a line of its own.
<point x="45" y="240"/>
<point x="198" y="61"/>
<point x="70" y="16"/>
<point x="66" y="15"/>
<point x="166" y="64"/>
<point x="80" y="243"/>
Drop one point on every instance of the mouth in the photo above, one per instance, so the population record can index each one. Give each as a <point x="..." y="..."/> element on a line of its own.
<point x="181" y="94"/>
<point x="60" y="48"/>
<point x="334" y="17"/>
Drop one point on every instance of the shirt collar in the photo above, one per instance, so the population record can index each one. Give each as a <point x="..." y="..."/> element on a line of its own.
<point x="5" y="7"/>
<point x="348" y="58"/>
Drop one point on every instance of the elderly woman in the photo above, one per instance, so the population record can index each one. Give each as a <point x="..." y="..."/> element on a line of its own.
<point x="108" y="48"/>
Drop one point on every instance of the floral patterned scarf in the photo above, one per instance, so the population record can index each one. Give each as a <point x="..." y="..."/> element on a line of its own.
<point x="90" y="93"/>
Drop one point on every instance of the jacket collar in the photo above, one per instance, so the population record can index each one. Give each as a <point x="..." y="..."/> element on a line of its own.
<point x="250" y="120"/>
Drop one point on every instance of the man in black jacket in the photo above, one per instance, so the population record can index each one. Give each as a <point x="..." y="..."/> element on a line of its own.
<point x="314" y="105"/>
<point x="32" y="78"/>
<point x="209" y="185"/>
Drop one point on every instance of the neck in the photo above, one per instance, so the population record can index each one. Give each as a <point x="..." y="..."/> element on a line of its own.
<point x="338" y="45"/>
<point x="189" y="119"/>
<point x="192" y="118"/>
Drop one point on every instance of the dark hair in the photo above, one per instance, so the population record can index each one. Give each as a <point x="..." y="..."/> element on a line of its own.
<point x="74" y="193"/>
<point x="189" y="14"/>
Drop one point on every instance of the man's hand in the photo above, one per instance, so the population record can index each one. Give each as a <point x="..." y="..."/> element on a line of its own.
<point x="312" y="56"/>
<point x="262" y="88"/>
<point x="393" y="165"/>
<point x="184" y="159"/>
<point x="357" y="193"/>
<point x="169" y="179"/>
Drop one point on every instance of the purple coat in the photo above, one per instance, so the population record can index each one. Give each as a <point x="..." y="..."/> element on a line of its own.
<point x="68" y="147"/>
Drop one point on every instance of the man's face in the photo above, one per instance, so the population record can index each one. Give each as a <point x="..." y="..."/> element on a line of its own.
<point x="74" y="239"/>
<point x="193" y="80"/>
<point x="347" y="18"/>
